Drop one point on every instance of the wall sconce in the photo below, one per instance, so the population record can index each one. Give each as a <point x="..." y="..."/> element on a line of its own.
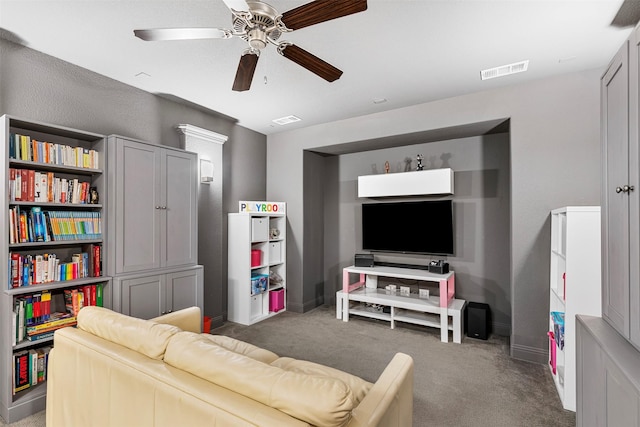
<point x="206" y="171"/>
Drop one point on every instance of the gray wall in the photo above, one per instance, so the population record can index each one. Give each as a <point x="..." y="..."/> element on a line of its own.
<point x="38" y="87"/>
<point x="481" y="215"/>
<point x="555" y="161"/>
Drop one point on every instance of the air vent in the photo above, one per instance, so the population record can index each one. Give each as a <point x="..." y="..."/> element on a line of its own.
<point x="504" y="70"/>
<point x="286" y="120"/>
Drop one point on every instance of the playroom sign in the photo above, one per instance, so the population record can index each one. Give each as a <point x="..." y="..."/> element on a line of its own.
<point x="261" y="207"/>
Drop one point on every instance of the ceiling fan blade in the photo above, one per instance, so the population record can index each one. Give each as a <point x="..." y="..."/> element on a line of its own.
<point x="310" y="62"/>
<point x="237" y="5"/>
<point x="244" y="74"/>
<point x="159" y="34"/>
<point x="320" y="11"/>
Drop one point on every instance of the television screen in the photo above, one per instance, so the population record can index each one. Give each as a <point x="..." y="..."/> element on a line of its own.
<point x="417" y="227"/>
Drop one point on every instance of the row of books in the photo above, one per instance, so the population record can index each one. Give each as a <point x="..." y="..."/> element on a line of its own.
<point x="27" y="270"/>
<point x="30" y="368"/>
<point x="27" y="185"/>
<point x="36" y="225"/>
<point x="23" y="147"/>
<point x="34" y="320"/>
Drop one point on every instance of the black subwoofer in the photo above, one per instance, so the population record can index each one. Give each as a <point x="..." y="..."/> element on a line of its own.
<point x="478" y="320"/>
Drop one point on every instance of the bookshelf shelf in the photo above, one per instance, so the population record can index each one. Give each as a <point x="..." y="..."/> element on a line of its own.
<point x="39" y="163"/>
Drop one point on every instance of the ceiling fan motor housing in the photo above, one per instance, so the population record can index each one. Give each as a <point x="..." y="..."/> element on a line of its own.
<point x="261" y="26"/>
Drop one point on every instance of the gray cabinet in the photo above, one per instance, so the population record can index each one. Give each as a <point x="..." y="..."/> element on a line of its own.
<point x="153" y="229"/>
<point x="608" y="372"/>
<point x="152" y="295"/>
<point x="620" y="192"/>
<point x="154" y="206"/>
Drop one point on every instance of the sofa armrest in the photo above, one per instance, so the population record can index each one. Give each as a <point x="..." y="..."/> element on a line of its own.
<point x="389" y="403"/>
<point x="187" y="319"/>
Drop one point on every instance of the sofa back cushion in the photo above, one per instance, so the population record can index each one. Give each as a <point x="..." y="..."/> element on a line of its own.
<point x="358" y="386"/>
<point x="318" y="400"/>
<point x="244" y="348"/>
<point x="143" y="336"/>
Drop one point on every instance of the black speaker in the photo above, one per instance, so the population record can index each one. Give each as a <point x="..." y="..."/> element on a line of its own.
<point x="364" y="260"/>
<point x="478" y="320"/>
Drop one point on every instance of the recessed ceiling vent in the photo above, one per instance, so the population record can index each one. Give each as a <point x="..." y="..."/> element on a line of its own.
<point x="504" y="70"/>
<point x="286" y="120"/>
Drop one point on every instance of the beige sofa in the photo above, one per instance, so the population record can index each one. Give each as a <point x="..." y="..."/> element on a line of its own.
<point x="115" y="370"/>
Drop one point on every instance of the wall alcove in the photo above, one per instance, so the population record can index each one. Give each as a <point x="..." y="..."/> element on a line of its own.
<point x="479" y="154"/>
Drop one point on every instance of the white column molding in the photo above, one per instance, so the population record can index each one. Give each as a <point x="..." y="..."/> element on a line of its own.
<point x="207" y="135"/>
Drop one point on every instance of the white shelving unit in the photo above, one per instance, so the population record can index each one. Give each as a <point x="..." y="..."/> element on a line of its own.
<point x="255" y="232"/>
<point x="432" y="181"/>
<point x="574" y="287"/>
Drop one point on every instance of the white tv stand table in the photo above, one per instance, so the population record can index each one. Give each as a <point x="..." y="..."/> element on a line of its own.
<point x="403" y="308"/>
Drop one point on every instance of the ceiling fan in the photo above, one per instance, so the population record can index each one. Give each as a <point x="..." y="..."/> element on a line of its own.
<point x="258" y="24"/>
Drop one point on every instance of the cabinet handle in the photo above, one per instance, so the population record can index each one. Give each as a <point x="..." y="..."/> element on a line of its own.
<point x="159" y="207"/>
<point x="624" y="189"/>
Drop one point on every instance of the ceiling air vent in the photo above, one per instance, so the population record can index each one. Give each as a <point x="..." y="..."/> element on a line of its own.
<point x="504" y="70"/>
<point x="286" y="120"/>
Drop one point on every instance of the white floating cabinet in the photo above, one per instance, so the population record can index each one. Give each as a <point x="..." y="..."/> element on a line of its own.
<point x="433" y="181"/>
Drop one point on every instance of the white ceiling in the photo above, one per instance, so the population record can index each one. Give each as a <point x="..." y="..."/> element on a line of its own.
<point x="405" y="51"/>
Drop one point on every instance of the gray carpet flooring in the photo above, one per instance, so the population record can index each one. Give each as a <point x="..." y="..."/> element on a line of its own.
<point x="475" y="383"/>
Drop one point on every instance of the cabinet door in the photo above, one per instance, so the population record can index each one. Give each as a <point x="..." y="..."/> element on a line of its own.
<point x="615" y="218"/>
<point x="138" y="205"/>
<point x="634" y="195"/>
<point x="184" y="289"/>
<point x="179" y="219"/>
<point x="622" y="398"/>
<point x="590" y="374"/>
<point x="143" y="297"/>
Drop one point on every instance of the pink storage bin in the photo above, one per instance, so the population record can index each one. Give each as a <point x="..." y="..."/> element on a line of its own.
<point x="256" y="257"/>
<point x="276" y="300"/>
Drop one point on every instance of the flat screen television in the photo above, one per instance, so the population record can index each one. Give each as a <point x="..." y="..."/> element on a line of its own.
<point x="424" y="227"/>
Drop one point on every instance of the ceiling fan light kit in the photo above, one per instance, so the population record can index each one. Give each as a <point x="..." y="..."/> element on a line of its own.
<point x="260" y="24"/>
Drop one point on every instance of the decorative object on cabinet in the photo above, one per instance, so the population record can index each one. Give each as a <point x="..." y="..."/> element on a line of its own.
<point x="416" y="183"/>
<point x="153" y="228"/>
<point x="419" y="166"/>
<point x="574" y="289"/>
<point x="251" y="276"/>
<point x="52" y="249"/>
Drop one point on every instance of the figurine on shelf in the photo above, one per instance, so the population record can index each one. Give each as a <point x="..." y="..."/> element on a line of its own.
<point x="407" y="164"/>
<point x="420" y="166"/>
<point x="94" y="197"/>
<point x="386" y="166"/>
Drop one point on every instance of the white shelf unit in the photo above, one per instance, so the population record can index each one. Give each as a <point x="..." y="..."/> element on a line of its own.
<point x="247" y="232"/>
<point x="14" y="406"/>
<point x="432" y="181"/>
<point x="574" y="286"/>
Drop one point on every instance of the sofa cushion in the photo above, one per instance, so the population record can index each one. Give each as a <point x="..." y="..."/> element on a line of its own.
<point x="244" y="348"/>
<point x="148" y="338"/>
<point x="358" y="386"/>
<point x="318" y="400"/>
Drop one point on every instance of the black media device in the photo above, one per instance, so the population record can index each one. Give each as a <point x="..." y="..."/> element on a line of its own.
<point x="478" y="320"/>
<point x="424" y="227"/>
<point x="364" y="260"/>
<point x="438" y="267"/>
